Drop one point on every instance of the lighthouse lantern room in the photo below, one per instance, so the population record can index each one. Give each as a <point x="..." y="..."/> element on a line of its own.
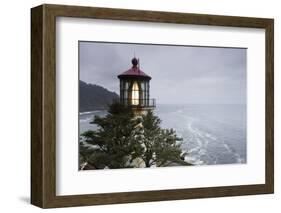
<point x="134" y="89"/>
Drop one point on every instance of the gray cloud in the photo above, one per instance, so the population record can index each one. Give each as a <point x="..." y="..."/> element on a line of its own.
<point x="180" y="74"/>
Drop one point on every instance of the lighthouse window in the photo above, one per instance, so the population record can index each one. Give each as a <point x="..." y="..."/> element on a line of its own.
<point x="127" y="85"/>
<point x="125" y="94"/>
<point x="146" y="86"/>
<point x="142" y="98"/>
<point x="135" y="94"/>
<point x="146" y="96"/>
<point x="142" y="86"/>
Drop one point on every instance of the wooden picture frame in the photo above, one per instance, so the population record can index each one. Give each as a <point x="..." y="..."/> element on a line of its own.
<point x="43" y="105"/>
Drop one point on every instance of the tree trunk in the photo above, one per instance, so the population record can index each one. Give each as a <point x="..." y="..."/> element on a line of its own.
<point x="147" y="164"/>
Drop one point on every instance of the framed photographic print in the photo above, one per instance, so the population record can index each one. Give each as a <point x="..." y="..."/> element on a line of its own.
<point x="136" y="106"/>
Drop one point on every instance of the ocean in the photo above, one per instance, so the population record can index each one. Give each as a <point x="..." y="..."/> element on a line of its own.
<point x="212" y="133"/>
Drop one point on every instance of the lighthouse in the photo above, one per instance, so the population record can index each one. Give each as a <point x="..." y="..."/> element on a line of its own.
<point x="134" y="89"/>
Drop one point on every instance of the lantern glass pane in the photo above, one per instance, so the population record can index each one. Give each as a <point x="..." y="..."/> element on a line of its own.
<point x="135" y="94"/>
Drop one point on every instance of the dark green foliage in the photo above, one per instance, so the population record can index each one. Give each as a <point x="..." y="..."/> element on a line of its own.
<point x="123" y="137"/>
<point x="162" y="145"/>
<point x="94" y="97"/>
<point x="115" y="143"/>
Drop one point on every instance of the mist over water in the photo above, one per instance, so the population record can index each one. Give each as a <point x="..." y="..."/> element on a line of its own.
<point x="212" y="133"/>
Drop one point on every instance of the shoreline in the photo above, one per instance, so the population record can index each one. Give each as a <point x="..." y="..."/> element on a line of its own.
<point x="90" y="112"/>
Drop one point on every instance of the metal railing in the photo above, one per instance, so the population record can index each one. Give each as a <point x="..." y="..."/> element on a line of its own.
<point x="150" y="103"/>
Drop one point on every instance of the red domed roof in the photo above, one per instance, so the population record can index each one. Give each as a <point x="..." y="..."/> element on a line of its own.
<point x="135" y="71"/>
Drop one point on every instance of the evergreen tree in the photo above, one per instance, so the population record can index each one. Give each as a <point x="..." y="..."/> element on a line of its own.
<point x="162" y="146"/>
<point x="115" y="143"/>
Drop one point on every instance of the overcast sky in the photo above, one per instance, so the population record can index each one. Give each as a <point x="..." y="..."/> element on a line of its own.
<point x="180" y="74"/>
